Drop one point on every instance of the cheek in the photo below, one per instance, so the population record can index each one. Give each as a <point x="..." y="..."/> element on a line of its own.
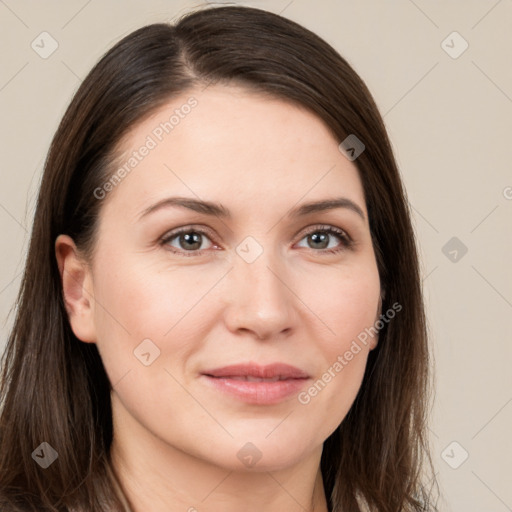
<point x="347" y="302"/>
<point x="137" y="302"/>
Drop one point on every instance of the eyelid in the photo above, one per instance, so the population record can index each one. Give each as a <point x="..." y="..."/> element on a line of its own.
<point x="196" y="228"/>
<point x="325" y="227"/>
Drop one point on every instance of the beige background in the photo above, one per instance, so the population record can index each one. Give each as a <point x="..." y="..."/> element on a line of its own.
<point x="450" y="121"/>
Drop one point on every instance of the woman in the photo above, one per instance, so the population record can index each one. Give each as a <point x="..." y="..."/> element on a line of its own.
<point x="221" y="307"/>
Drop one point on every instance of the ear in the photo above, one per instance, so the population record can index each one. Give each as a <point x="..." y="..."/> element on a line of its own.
<point x="77" y="289"/>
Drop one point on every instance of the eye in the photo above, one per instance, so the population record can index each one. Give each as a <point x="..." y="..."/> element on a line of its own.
<point x="320" y="237"/>
<point x="187" y="240"/>
<point x="191" y="241"/>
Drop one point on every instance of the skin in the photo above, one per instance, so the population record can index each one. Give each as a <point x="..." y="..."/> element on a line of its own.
<point x="176" y="439"/>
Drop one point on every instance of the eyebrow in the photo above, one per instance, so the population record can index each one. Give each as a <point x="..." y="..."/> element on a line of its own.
<point x="218" y="210"/>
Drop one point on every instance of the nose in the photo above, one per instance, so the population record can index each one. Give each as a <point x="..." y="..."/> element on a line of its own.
<point x="260" y="299"/>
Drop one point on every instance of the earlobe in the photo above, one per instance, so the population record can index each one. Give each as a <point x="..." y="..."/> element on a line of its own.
<point x="77" y="290"/>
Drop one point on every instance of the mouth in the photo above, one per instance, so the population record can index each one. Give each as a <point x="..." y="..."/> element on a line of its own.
<point x="255" y="384"/>
<point x="251" y="378"/>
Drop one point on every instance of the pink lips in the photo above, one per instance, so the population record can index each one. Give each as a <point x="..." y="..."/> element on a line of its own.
<point x="255" y="384"/>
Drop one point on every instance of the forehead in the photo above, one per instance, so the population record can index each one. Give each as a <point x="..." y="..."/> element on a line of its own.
<point x="227" y="142"/>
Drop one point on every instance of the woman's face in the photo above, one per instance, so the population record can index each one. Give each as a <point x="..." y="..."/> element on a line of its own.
<point x="255" y="280"/>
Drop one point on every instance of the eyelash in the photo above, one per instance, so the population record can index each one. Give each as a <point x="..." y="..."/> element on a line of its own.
<point x="347" y="242"/>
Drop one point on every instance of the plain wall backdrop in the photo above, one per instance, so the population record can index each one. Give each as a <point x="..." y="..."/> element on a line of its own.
<point x="440" y="72"/>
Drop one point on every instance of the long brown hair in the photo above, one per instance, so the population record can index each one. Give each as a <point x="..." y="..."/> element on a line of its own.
<point x="54" y="388"/>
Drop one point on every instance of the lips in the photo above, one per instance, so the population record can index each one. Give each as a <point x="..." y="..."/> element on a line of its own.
<point x="276" y="371"/>
<point x="256" y="384"/>
<point x="250" y="378"/>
